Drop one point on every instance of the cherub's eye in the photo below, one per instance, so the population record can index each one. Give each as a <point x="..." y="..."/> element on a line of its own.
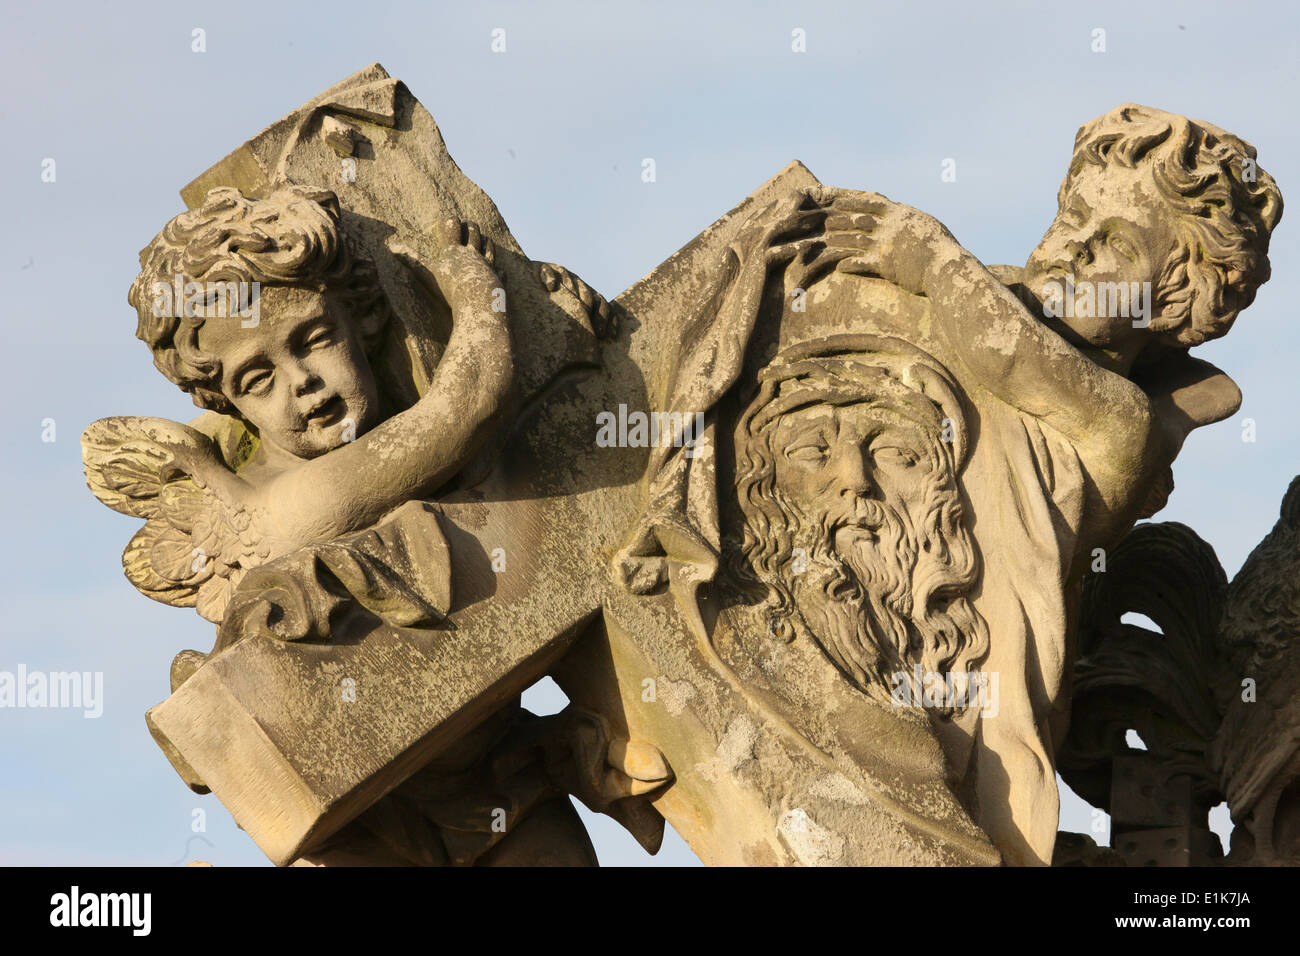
<point x="320" y="336"/>
<point x="1122" y="246"/>
<point x="256" y="382"/>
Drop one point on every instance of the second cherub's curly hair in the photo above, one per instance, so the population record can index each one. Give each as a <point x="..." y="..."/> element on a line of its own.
<point x="293" y="237"/>
<point x="1226" y="207"/>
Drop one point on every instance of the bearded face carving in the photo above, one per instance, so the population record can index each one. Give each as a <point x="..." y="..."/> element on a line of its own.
<point x="853" y="524"/>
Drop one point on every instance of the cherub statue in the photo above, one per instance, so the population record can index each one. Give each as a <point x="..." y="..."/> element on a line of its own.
<point x="307" y="482"/>
<point x="322" y="451"/>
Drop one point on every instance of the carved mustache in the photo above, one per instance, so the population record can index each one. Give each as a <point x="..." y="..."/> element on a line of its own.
<point x="864" y="515"/>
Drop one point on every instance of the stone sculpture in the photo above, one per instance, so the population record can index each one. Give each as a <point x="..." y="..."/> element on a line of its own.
<point x="1210" y="693"/>
<point x="798" y="522"/>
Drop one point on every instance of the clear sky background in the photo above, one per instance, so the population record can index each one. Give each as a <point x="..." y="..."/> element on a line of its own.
<point x="555" y="130"/>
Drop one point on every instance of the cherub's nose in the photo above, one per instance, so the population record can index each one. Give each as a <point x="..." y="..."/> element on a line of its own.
<point x="1078" y="253"/>
<point x="303" y="380"/>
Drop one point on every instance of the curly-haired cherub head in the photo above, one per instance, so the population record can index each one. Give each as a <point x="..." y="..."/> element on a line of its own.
<point x="1153" y="197"/>
<point x="257" y="308"/>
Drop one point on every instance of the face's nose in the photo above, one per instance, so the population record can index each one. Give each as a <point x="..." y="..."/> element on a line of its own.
<point x="1078" y="253"/>
<point x="301" y="378"/>
<point x="852" y="471"/>
<point x="1065" y="242"/>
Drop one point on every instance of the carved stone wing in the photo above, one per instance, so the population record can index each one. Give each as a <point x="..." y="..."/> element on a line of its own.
<point x="1160" y="683"/>
<point x="193" y="546"/>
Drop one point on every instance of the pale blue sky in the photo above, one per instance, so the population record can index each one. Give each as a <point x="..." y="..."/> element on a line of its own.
<point x="555" y="130"/>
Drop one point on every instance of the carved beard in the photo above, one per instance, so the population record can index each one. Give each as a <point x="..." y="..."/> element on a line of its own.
<point x="856" y="594"/>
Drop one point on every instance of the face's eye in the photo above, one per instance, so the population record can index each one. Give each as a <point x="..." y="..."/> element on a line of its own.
<point x="1122" y="246"/>
<point x="814" y="454"/>
<point x="320" y="336"/>
<point x="255" y="382"/>
<point x="895" y="456"/>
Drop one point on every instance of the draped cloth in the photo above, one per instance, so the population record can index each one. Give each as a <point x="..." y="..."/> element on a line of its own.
<point x="1032" y="490"/>
<point x="678" y="540"/>
<point x="398" y="571"/>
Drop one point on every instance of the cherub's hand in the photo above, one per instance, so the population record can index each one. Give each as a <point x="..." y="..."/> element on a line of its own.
<point x="461" y="271"/>
<point x="867" y="234"/>
<point x="455" y="232"/>
<point x="782" y="231"/>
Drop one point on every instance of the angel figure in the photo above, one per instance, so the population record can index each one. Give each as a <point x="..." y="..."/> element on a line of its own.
<point x="322" y="453"/>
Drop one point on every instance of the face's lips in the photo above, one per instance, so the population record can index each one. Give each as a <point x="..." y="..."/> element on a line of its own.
<point x="862" y="521"/>
<point x="848" y="537"/>
<point x="1048" y="271"/>
<point x="326" y="412"/>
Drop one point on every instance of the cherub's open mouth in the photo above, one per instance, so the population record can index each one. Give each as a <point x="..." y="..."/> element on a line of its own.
<point x="326" y="413"/>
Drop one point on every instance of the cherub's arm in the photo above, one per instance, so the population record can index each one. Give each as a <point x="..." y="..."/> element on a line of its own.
<point x="418" y="450"/>
<point x="1003" y="347"/>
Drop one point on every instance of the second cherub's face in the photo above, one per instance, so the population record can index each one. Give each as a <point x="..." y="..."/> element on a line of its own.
<point x="300" y="376"/>
<point x="1112" y="227"/>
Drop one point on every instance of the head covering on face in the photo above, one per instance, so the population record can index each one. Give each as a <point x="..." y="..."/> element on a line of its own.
<point x="678" y="539"/>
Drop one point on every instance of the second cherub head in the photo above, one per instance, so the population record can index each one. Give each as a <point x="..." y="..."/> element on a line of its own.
<point x="1161" y="234"/>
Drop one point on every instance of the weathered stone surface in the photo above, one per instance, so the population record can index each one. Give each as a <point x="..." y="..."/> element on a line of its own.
<point x="798" y="522"/>
<point x="1212" y="695"/>
<point x="1169" y="846"/>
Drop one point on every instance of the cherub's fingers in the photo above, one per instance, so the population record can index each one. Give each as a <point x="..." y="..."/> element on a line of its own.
<point x="858" y="266"/>
<point x="753" y="230"/>
<point x="843" y="221"/>
<point x="873" y="203"/>
<point x="824" y="194"/>
<point x="862" y="241"/>
<point x="856" y="200"/>
<point x="793" y="207"/>
<point x="808" y="270"/>
<point x="798" y="223"/>
<point x="450" y="232"/>
<point x="801" y="249"/>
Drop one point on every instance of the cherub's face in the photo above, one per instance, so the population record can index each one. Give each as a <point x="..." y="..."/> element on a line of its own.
<point x="1112" y="227"/>
<point x="300" y="376"/>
